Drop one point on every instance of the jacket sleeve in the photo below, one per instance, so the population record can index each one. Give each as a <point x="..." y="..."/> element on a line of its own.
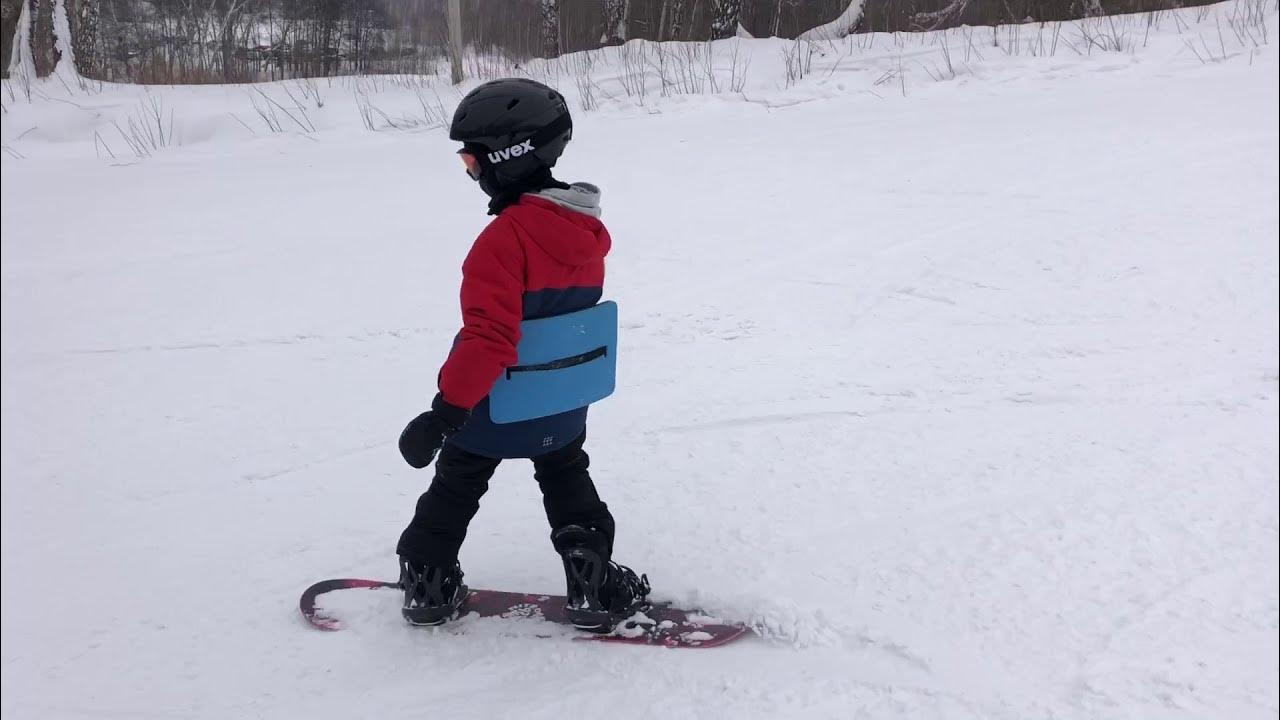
<point x="492" y="306"/>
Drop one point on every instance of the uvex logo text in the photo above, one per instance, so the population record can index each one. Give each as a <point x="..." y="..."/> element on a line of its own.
<point x="498" y="156"/>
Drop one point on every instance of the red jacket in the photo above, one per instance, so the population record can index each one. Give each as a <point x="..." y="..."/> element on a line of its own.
<point x="536" y="259"/>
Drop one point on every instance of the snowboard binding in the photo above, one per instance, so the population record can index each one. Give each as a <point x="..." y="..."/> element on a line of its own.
<point x="432" y="595"/>
<point x="600" y="593"/>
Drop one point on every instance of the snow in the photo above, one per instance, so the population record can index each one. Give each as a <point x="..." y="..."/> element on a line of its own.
<point x="62" y="39"/>
<point x="960" y="388"/>
<point x="21" y="64"/>
<point x="845" y="22"/>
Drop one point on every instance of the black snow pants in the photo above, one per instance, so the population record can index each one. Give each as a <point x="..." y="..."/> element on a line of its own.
<point x="444" y="511"/>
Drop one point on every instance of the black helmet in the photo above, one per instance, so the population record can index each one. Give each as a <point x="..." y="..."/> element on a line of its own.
<point x="516" y="128"/>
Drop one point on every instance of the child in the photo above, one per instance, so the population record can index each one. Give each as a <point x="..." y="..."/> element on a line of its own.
<point x="542" y="256"/>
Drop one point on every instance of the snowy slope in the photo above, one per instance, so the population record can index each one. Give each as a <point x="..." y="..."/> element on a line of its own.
<point x="964" y="392"/>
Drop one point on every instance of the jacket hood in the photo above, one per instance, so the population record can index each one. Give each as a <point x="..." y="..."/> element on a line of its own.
<point x="579" y="197"/>
<point x="565" y="223"/>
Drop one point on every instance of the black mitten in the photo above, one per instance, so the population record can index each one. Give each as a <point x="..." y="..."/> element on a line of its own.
<point x="423" y="436"/>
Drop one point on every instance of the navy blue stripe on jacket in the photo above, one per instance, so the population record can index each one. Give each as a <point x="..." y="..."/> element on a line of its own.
<point x="530" y="438"/>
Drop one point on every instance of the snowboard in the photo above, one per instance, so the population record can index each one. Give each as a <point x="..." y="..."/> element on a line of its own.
<point x="661" y="624"/>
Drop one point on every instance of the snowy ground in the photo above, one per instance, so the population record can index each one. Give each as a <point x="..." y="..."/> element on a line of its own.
<point x="963" y="391"/>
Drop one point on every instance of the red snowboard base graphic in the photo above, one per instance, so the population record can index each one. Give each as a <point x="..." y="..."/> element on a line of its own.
<point x="662" y="624"/>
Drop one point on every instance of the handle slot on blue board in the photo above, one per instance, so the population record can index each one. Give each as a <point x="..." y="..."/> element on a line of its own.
<point x="565" y="363"/>
<point x="560" y="364"/>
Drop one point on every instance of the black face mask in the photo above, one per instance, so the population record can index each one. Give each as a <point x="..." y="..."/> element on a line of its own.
<point x="490" y="184"/>
<point x="505" y="194"/>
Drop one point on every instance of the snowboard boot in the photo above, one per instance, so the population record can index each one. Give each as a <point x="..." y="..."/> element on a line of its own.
<point x="601" y="593"/>
<point x="432" y="595"/>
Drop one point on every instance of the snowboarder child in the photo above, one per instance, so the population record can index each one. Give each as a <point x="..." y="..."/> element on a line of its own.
<point x="541" y="256"/>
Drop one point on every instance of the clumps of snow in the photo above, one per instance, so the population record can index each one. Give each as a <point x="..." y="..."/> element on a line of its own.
<point x="837" y="28"/>
<point x="795" y="626"/>
<point x="703" y="619"/>
<point x="780" y="622"/>
<point x="638" y="625"/>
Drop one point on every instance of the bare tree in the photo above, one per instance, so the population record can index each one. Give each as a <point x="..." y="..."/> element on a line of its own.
<point x="10" y="11"/>
<point x="673" y="22"/>
<point x="551" y="28"/>
<point x="669" y="22"/>
<point x="44" y="50"/>
<point x="938" y="18"/>
<point x="724" y="18"/>
<point x="84" y="35"/>
<point x="229" y="23"/>
<point x="455" y="41"/>
<point x="615" y="15"/>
